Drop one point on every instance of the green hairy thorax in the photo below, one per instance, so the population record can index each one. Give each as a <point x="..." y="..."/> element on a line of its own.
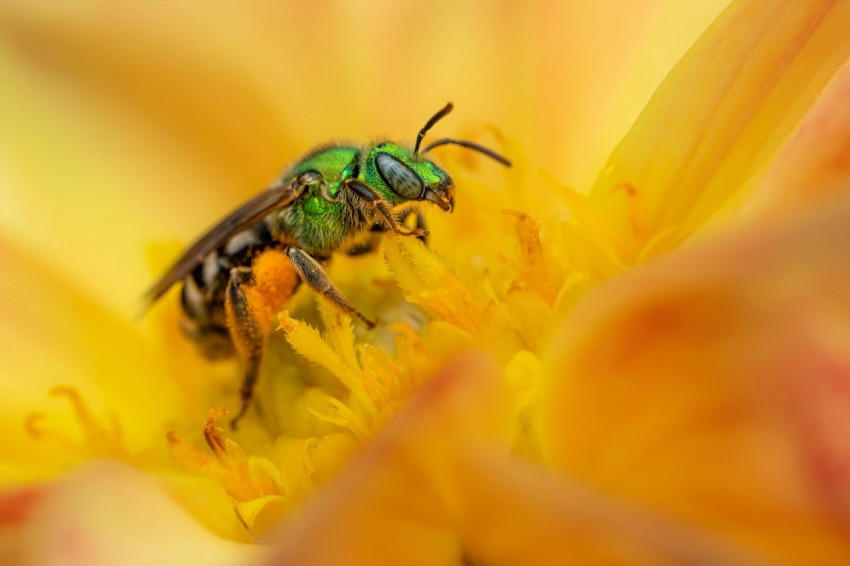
<point x="321" y="221"/>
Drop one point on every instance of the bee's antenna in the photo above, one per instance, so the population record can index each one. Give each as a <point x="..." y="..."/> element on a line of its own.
<point x="479" y="148"/>
<point x="430" y="124"/>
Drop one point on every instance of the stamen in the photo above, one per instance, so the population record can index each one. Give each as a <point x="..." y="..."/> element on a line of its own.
<point x="92" y="429"/>
<point x="345" y="418"/>
<point x="212" y="434"/>
<point x="98" y="439"/>
<point x="243" y="478"/>
<point x="637" y="215"/>
<point x="31" y="424"/>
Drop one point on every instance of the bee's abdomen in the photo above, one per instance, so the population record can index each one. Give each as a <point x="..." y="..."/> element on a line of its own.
<point x="202" y="296"/>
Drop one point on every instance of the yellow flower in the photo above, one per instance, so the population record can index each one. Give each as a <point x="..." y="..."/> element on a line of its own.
<point x="610" y="411"/>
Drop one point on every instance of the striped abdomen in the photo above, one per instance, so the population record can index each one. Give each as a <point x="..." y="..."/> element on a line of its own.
<point x="204" y="289"/>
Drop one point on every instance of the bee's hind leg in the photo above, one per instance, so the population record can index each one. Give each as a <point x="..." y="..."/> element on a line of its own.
<point x="246" y="333"/>
<point x="253" y="297"/>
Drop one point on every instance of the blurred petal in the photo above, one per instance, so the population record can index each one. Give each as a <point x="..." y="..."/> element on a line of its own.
<point x="713" y="386"/>
<point x="104" y="514"/>
<point x="817" y="158"/>
<point x="516" y="513"/>
<point x="435" y="486"/>
<point x="396" y="502"/>
<point x="718" y="118"/>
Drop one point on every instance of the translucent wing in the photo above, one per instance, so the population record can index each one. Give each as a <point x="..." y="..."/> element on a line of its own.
<point x="246" y="215"/>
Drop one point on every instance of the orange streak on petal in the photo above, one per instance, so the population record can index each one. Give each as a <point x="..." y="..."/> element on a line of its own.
<point x="109" y="513"/>
<point x="713" y="385"/>
<point x="15" y="506"/>
<point x="817" y="158"/>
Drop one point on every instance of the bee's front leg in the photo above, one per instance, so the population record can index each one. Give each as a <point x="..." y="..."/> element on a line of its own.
<point x="421" y="226"/>
<point x="368" y="201"/>
<point x="379" y="228"/>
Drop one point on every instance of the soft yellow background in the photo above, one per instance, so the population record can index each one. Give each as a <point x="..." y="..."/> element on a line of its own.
<point x="129" y="122"/>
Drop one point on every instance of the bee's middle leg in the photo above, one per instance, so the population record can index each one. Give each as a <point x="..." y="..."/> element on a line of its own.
<point x="312" y="273"/>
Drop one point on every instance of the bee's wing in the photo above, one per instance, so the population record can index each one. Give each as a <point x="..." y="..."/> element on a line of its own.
<point x="246" y="215"/>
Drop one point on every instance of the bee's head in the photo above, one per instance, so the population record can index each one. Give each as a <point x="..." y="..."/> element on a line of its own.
<point x="409" y="177"/>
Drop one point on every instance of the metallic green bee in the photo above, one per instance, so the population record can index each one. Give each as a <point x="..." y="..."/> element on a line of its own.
<point x="239" y="274"/>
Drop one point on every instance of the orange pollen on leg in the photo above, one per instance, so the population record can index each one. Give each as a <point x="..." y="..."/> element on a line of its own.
<point x="275" y="281"/>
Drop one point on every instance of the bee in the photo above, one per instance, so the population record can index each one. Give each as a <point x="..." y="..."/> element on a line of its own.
<point x="338" y="198"/>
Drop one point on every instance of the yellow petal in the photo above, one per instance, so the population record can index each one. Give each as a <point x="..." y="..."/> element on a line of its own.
<point x="111" y="396"/>
<point x="719" y="117"/>
<point x="713" y="385"/>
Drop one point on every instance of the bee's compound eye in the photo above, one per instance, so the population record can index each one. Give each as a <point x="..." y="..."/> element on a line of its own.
<point x="399" y="177"/>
